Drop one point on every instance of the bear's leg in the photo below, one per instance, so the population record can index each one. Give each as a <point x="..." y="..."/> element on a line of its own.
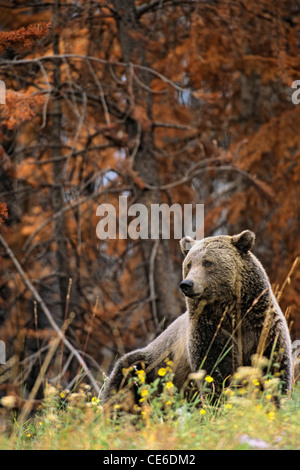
<point x="117" y="379"/>
<point x="224" y="364"/>
<point x="287" y="372"/>
<point x="219" y="359"/>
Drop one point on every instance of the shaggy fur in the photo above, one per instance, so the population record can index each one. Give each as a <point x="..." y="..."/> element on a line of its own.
<point x="231" y="315"/>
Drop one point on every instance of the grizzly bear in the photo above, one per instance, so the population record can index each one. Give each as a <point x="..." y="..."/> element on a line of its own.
<point x="231" y="315"/>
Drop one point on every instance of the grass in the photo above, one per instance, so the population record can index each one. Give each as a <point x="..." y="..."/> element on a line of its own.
<point x="246" y="417"/>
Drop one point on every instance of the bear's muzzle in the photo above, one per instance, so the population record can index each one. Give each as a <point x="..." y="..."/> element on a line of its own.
<point x="187" y="287"/>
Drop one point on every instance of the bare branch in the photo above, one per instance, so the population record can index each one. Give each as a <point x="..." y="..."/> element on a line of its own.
<point x="152" y="285"/>
<point x="93" y="59"/>
<point x="225" y="168"/>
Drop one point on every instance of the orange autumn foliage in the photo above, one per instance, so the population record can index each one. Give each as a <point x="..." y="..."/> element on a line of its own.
<point x="20" y="107"/>
<point x="23" y="38"/>
<point x="3" y="212"/>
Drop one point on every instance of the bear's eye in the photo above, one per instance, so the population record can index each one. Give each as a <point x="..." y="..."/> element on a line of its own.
<point x="207" y="263"/>
<point x="189" y="265"/>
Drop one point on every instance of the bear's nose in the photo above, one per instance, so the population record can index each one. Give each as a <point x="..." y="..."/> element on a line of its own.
<point x="187" y="287"/>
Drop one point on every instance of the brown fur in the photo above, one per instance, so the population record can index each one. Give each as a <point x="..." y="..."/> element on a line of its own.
<point x="229" y="304"/>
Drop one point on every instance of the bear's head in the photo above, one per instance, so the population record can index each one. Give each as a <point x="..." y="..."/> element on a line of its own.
<point x="212" y="266"/>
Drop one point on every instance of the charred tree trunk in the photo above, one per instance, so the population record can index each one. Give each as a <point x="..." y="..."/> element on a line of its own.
<point x="57" y="173"/>
<point x="157" y="257"/>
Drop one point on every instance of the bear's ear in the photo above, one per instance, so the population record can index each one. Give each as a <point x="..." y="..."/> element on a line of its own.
<point x="244" y="241"/>
<point x="186" y="244"/>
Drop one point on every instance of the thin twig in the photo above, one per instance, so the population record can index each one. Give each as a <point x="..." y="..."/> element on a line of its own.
<point x="28" y="404"/>
<point x="151" y="284"/>
<point x="101" y="93"/>
<point x="65" y="323"/>
<point x="36" y="329"/>
<point x="49" y="88"/>
<point x="91" y="327"/>
<point x="288" y="279"/>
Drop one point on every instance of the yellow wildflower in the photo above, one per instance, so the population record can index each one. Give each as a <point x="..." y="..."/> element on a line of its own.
<point x="62" y="394"/>
<point x="271" y="415"/>
<point x="144" y="394"/>
<point x="209" y="379"/>
<point x="162" y="372"/>
<point x="168" y="402"/>
<point x="169" y="364"/>
<point x="141" y="375"/>
<point x="202" y="411"/>
<point x="169" y="385"/>
<point x="228" y="406"/>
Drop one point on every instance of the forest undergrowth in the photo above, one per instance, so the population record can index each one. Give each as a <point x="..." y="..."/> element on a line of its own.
<point x="249" y="414"/>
